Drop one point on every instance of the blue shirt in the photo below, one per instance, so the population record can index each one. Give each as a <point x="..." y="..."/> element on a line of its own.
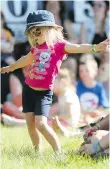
<point x="91" y="98"/>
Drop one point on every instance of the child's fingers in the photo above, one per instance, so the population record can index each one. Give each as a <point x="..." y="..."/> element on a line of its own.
<point x="3" y="70"/>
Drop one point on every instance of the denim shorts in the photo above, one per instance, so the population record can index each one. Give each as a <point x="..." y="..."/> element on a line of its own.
<point x="36" y="101"/>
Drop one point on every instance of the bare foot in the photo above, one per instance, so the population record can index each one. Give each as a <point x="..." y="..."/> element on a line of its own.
<point x="54" y="124"/>
<point x="58" y="127"/>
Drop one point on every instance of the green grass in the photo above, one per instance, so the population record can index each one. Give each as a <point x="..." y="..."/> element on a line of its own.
<point x="17" y="153"/>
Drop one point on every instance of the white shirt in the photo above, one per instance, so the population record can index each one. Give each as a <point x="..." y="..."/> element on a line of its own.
<point x="70" y="97"/>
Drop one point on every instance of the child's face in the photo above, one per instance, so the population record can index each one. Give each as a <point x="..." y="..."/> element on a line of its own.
<point x="99" y="7"/>
<point x="86" y="72"/>
<point x="37" y="34"/>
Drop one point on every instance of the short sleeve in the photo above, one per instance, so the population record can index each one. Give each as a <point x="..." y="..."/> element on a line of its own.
<point x="59" y="49"/>
<point x="62" y="46"/>
<point x="71" y="97"/>
<point x="32" y="50"/>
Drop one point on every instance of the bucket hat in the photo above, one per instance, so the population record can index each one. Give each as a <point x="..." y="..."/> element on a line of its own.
<point x="40" y="18"/>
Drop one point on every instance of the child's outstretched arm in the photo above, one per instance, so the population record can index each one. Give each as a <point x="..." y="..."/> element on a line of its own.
<point x="20" y="63"/>
<point x="87" y="48"/>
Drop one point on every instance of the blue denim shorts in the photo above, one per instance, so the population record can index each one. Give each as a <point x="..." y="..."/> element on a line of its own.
<point x="35" y="101"/>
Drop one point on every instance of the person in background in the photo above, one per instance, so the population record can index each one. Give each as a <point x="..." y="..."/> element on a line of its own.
<point x="68" y="108"/>
<point x="103" y="76"/>
<point x="102" y="124"/>
<point x="11" y="109"/>
<point x="98" y="146"/>
<point x="96" y="138"/>
<point x="7" y="48"/>
<point x="91" y="93"/>
<point x="58" y="8"/>
<point x="70" y="63"/>
<point x="72" y="27"/>
<point x="96" y="27"/>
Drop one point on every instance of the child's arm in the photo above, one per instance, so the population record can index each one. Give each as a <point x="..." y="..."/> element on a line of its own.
<point x="22" y="62"/>
<point x="86" y="48"/>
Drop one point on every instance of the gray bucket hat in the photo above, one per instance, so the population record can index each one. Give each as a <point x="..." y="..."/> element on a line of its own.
<point x="40" y="18"/>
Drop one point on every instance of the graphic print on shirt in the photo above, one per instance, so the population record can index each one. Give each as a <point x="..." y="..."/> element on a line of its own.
<point x="43" y="58"/>
<point x="38" y="69"/>
<point x="89" y="101"/>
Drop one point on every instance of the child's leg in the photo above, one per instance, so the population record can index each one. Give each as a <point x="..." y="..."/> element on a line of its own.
<point x="98" y="135"/>
<point x="33" y="132"/>
<point x="57" y="126"/>
<point x="47" y="131"/>
<point x="103" y="145"/>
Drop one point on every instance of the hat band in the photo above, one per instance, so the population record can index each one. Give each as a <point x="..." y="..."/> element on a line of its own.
<point x="40" y="22"/>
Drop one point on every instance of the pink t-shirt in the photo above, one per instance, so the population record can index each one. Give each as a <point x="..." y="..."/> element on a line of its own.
<point x="45" y="66"/>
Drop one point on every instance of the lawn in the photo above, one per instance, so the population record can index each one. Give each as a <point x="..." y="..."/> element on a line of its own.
<point x="17" y="153"/>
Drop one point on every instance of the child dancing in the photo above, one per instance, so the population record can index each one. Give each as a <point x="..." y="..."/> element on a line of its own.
<point x="48" y="48"/>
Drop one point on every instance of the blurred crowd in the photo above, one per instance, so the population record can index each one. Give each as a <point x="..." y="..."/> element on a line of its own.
<point x="86" y="75"/>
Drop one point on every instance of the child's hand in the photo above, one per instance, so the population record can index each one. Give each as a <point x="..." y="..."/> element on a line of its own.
<point x="86" y="149"/>
<point x="6" y="69"/>
<point x="103" y="45"/>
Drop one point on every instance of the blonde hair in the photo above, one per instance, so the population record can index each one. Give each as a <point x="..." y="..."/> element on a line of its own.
<point x="70" y="64"/>
<point x="52" y="35"/>
<point x="65" y="75"/>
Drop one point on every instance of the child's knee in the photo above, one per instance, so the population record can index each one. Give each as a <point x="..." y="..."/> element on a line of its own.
<point x="98" y="135"/>
<point x="41" y="125"/>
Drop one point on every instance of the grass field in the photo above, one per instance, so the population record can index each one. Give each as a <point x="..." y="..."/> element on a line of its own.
<point x="17" y="153"/>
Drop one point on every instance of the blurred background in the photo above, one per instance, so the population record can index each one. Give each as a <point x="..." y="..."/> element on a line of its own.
<point x="83" y="22"/>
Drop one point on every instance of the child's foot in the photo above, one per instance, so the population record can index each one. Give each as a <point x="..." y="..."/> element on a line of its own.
<point x="55" y="125"/>
<point x="38" y="148"/>
<point x="58" y="127"/>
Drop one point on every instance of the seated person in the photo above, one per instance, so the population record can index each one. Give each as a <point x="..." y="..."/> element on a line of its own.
<point x="7" y="58"/>
<point x="11" y="109"/>
<point x="103" y="75"/>
<point x="91" y="93"/>
<point x="68" y="107"/>
<point x="96" y="138"/>
<point x="99" y="145"/>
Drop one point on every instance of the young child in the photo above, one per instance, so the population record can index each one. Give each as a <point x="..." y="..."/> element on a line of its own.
<point x="48" y="49"/>
<point x="91" y="92"/>
<point x="68" y="114"/>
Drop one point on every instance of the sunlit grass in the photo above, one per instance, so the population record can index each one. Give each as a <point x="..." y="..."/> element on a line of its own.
<point x="18" y="153"/>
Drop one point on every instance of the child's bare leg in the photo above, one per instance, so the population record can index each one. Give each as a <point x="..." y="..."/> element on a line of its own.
<point x="103" y="143"/>
<point x="57" y="126"/>
<point x="98" y="135"/>
<point x="48" y="133"/>
<point x="33" y="132"/>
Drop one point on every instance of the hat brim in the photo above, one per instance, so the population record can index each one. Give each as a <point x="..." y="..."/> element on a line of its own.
<point x="29" y="26"/>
